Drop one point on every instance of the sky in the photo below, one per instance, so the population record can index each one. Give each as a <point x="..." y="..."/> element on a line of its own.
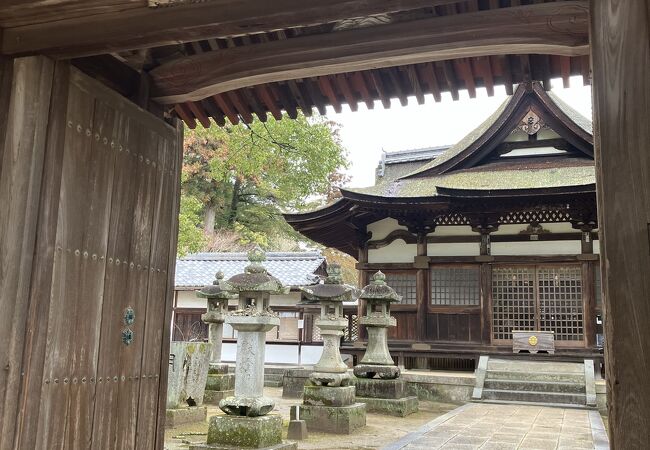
<point x="366" y="133"/>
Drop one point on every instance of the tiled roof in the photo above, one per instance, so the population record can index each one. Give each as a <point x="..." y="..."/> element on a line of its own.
<point x="416" y="154"/>
<point x="291" y="268"/>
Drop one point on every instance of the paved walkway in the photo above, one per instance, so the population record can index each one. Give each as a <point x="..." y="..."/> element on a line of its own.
<point x="491" y="426"/>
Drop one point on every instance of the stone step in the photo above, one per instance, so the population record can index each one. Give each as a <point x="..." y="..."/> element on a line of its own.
<point x="270" y="383"/>
<point x="273" y="376"/>
<point x="554" y="405"/>
<point x="535" y="366"/>
<point x="274" y="370"/>
<point x="535" y="386"/>
<point x="535" y="376"/>
<point x="535" y="397"/>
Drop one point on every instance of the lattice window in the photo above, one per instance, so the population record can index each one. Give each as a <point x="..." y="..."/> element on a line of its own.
<point x="560" y="302"/>
<point x="405" y="284"/>
<point x="452" y="219"/>
<point x="351" y="333"/>
<point x="315" y="334"/>
<point x="546" y="216"/>
<point x="455" y="286"/>
<point x="513" y="300"/>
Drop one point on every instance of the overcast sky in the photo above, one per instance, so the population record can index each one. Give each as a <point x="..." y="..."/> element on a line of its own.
<point x="366" y="133"/>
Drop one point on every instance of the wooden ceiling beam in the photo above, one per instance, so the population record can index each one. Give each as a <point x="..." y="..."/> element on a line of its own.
<point x="153" y="27"/>
<point x="199" y="113"/>
<point x="185" y="115"/>
<point x="395" y="81"/>
<point x="415" y="82"/>
<point x="428" y="73"/>
<point x="327" y="89"/>
<point x="547" y="28"/>
<point x="267" y="98"/>
<point x="342" y="83"/>
<point x="286" y="100"/>
<point x="224" y="105"/>
<point x="240" y="106"/>
<point x="359" y="84"/>
<point x="211" y="108"/>
<point x="375" y="76"/>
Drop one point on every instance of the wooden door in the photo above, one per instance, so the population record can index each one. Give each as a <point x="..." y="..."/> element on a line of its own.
<point x="95" y="361"/>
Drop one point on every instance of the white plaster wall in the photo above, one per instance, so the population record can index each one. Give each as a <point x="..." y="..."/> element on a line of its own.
<point x="453" y="230"/>
<point x="396" y="252"/>
<point x="457" y="249"/>
<point x="188" y="299"/>
<point x="383" y="228"/>
<point x="536" y="248"/>
<point x="278" y="354"/>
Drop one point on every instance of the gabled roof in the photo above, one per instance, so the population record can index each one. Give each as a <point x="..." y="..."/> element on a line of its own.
<point x="413" y="155"/>
<point x="534" y="150"/>
<point x="293" y="269"/>
<point x="479" y="142"/>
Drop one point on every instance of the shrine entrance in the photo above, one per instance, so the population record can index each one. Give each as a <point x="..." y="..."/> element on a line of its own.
<point x="544" y="297"/>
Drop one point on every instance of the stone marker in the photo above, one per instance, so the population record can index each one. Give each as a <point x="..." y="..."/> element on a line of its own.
<point x="220" y="384"/>
<point x="329" y="400"/>
<point x="247" y="424"/>
<point x="388" y="394"/>
<point x="188" y="368"/>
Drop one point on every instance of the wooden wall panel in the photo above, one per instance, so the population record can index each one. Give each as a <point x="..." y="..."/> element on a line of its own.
<point x="620" y="42"/>
<point x="107" y="221"/>
<point x="406" y="328"/>
<point x="25" y="91"/>
<point x="452" y="327"/>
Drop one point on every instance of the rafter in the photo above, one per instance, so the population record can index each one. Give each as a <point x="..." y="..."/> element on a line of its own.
<point x="547" y="28"/>
<point x="144" y="27"/>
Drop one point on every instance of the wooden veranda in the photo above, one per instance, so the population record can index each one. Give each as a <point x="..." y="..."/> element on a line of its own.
<point x="90" y="147"/>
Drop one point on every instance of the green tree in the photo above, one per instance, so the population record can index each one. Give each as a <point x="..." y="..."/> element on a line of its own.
<point x="245" y="175"/>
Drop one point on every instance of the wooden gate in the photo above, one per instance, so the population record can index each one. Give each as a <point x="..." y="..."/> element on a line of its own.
<point x="97" y="321"/>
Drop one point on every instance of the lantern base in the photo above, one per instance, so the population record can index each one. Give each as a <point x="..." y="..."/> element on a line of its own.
<point x="334" y="419"/>
<point x="231" y="432"/>
<point x="384" y="372"/>
<point x="247" y="406"/>
<point x="329" y="379"/>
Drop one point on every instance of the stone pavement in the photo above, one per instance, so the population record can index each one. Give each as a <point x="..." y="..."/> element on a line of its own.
<point x="494" y="426"/>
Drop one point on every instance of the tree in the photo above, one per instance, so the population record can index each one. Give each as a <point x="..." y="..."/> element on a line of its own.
<point x="245" y="175"/>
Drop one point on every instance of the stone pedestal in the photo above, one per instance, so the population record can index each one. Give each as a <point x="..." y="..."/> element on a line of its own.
<point x="220" y="384"/>
<point x="186" y="383"/>
<point x="386" y="396"/>
<point x="334" y="419"/>
<point x="237" y="432"/>
<point x="189" y="414"/>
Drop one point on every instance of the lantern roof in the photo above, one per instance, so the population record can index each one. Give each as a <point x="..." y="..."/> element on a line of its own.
<point x="379" y="290"/>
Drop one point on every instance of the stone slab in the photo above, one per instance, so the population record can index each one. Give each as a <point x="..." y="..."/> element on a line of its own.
<point x="214" y="397"/>
<point x="400" y="407"/>
<point x="377" y="388"/>
<point x="294" y="382"/>
<point x="181" y="416"/>
<point x="245" y="432"/>
<point x="187" y="374"/>
<point x="281" y="446"/>
<point x="220" y="382"/>
<point x="385" y="371"/>
<point x="329" y="396"/>
<point x="297" y="430"/>
<point x="333" y="419"/>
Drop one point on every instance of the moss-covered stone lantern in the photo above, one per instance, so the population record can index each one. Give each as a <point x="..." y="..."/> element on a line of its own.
<point x="247" y="423"/>
<point x="388" y="393"/>
<point x="219" y="383"/>
<point x="329" y="402"/>
<point x="377" y="360"/>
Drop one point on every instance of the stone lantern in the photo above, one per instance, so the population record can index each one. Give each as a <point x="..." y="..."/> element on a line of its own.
<point x="329" y="400"/>
<point x="387" y="394"/>
<point x="377" y="360"/>
<point x="247" y="423"/>
<point x="220" y="383"/>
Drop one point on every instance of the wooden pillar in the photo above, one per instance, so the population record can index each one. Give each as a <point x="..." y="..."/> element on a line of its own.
<point x="422" y="286"/>
<point x="486" y="303"/>
<point x="587" y="242"/>
<point x="25" y="90"/>
<point x="363" y="280"/>
<point x="620" y="46"/>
